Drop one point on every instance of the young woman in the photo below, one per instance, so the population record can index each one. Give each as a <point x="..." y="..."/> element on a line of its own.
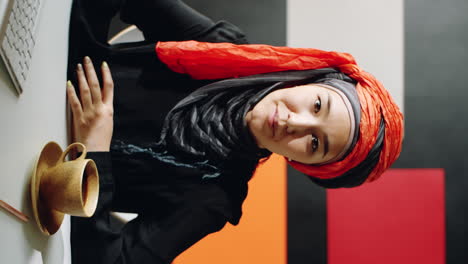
<point x="178" y="131"/>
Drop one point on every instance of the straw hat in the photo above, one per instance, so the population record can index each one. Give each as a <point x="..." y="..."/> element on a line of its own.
<point x="48" y="219"/>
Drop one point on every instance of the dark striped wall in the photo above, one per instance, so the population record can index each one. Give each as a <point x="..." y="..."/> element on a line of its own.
<point x="436" y="96"/>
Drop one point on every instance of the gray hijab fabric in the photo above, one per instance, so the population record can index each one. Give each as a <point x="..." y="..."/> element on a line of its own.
<point x="349" y="91"/>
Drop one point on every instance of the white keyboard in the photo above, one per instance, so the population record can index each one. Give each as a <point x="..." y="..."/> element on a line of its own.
<point x="19" y="39"/>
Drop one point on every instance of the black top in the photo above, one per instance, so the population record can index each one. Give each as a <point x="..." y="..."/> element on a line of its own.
<point x="175" y="206"/>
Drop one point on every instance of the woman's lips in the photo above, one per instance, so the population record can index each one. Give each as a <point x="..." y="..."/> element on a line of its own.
<point x="273" y="120"/>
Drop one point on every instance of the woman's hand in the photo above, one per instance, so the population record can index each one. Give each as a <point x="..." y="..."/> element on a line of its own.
<point x="92" y="117"/>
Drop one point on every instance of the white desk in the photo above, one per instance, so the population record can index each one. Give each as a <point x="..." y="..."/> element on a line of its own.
<point x="27" y="122"/>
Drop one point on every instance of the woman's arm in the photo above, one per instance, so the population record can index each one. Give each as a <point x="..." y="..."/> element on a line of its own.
<point x="146" y="239"/>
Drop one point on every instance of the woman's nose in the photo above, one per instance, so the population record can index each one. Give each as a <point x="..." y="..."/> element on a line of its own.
<point x="301" y="123"/>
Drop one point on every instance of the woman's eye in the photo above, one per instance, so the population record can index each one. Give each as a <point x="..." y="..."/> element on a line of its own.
<point x="317" y="105"/>
<point x="314" y="144"/>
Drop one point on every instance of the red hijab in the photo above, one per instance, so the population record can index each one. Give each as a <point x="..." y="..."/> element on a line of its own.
<point x="203" y="60"/>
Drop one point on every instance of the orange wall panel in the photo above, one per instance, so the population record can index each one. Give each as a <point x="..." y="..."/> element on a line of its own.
<point x="261" y="236"/>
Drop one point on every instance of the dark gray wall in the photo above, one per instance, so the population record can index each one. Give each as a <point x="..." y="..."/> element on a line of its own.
<point x="264" y="21"/>
<point x="436" y="96"/>
<point x="307" y="220"/>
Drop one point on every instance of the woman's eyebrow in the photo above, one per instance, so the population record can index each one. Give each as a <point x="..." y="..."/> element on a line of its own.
<point x="325" y="136"/>
<point x="325" y="145"/>
<point x="329" y="99"/>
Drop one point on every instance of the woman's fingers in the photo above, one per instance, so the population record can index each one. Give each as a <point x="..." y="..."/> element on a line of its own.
<point x="73" y="101"/>
<point x="85" y="93"/>
<point x="93" y="82"/>
<point x="108" y="85"/>
<point x="90" y="89"/>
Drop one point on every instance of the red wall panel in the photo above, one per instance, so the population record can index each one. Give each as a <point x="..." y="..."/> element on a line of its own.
<point x="400" y="218"/>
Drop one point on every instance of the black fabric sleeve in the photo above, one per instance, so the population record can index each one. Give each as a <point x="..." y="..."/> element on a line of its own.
<point x="146" y="239"/>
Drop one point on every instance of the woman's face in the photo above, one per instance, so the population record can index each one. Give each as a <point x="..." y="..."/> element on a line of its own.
<point x="308" y="123"/>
